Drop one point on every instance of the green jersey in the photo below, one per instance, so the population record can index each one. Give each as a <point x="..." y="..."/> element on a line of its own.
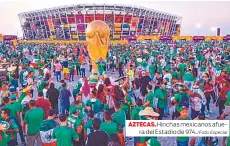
<point x="65" y="136"/>
<point x="109" y="127"/>
<point x="34" y="118"/>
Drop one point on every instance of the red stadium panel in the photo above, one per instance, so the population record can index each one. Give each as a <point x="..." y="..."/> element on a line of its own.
<point x="80" y="18"/>
<point x="71" y="20"/>
<point x="99" y="17"/>
<point x="127" y="19"/>
<point x="64" y="19"/>
<point x="118" y="19"/>
<point x="108" y="15"/>
<point x="89" y="18"/>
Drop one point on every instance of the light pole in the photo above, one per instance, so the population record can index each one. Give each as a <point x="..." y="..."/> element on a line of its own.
<point x="213" y="29"/>
<point x="198" y="26"/>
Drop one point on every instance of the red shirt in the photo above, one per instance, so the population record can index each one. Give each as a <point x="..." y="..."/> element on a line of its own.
<point x="223" y="93"/>
<point x="44" y="104"/>
<point x="101" y="97"/>
<point x="220" y="79"/>
<point x="206" y="88"/>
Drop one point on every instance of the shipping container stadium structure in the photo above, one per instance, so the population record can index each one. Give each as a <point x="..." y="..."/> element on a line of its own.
<point x="70" y="22"/>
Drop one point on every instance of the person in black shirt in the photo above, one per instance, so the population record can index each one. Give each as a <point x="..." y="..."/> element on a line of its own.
<point x="53" y="95"/>
<point x="158" y="80"/>
<point x="120" y="67"/>
<point x="97" y="138"/>
<point x="144" y="82"/>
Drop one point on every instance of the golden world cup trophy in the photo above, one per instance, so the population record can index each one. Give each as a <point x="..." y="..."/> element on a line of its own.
<point x="97" y="37"/>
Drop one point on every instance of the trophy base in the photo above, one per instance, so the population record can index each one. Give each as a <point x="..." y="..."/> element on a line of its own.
<point x="93" y="78"/>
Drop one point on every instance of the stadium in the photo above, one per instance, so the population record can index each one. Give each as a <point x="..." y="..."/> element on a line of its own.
<point x="70" y="22"/>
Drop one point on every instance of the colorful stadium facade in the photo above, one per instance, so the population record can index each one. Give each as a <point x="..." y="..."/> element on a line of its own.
<point x="125" y="22"/>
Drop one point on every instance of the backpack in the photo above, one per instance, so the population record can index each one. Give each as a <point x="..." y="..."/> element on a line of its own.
<point x="184" y="101"/>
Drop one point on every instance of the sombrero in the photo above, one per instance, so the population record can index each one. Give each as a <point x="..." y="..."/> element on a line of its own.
<point x="191" y="57"/>
<point x="4" y="63"/>
<point x="2" y="69"/>
<point x="121" y="78"/>
<point x="148" y="111"/>
<point x="139" y="60"/>
<point x="179" y="86"/>
<point x="195" y="87"/>
<point x="26" y="89"/>
<point x="11" y="69"/>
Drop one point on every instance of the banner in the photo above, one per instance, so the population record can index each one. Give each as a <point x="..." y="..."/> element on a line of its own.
<point x="198" y="38"/>
<point x="165" y="37"/>
<point x="226" y="38"/>
<point x="9" y="37"/>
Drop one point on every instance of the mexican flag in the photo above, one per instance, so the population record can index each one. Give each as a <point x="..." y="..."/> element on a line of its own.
<point x="46" y="131"/>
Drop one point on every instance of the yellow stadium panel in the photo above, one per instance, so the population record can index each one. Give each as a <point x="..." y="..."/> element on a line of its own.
<point x="116" y="36"/>
<point x="66" y="25"/>
<point x="117" y="29"/>
<point x="154" y="37"/>
<point x="1" y="37"/>
<point x="74" y="36"/>
<point x="189" y="38"/>
<point x="53" y="37"/>
<point x="117" y="25"/>
<point x="219" y="38"/>
<point x="176" y="38"/>
<point x="210" y="38"/>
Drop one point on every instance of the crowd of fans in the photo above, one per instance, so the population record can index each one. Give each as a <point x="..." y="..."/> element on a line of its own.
<point x="138" y="81"/>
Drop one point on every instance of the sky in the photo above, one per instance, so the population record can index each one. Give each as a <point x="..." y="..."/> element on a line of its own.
<point x="209" y="14"/>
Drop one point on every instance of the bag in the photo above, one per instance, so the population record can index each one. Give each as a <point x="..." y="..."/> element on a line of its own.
<point x="184" y="101"/>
